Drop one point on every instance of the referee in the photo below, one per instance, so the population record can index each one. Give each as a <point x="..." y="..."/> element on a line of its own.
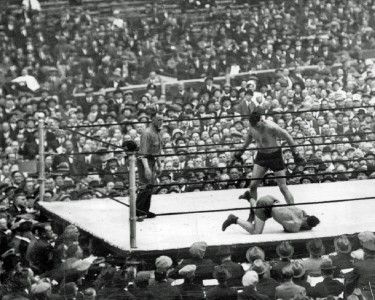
<point x="147" y="163"/>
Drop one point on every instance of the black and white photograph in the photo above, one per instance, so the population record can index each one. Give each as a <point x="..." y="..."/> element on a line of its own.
<point x="187" y="149"/>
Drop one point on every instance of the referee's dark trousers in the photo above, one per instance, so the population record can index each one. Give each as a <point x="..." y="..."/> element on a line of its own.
<point x="145" y="186"/>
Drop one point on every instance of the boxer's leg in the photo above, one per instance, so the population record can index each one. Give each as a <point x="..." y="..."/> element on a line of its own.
<point x="258" y="172"/>
<point x="281" y="182"/>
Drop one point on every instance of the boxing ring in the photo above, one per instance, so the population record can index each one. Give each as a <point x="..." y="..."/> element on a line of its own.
<point x="344" y="207"/>
<point x="108" y="220"/>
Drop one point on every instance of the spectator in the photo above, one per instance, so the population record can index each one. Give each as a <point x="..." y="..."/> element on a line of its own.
<point x="75" y="57"/>
<point x="89" y="294"/>
<point x="329" y="286"/>
<point x="266" y="285"/>
<point x="250" y="281"/>
<point x="255" y="253"/>
<point x="361" y="277"/>
<point x="285" y="252"/>
<point x="188" y="289"/>
<point x="141" y="286"/>
<point x="316" y="250"/>
<point x="163" y="264"/>
<point x="222" y="290"/>
<point x="288" y="289"/>
<point x="161" y="289"/>
<point x="4" y="235"/>
<point x="19" y="205"/>
<point x="40" y="252"/>
<point x="342" y="259"/>
<point x="69" y="291"/>
<point x="205" y="266"/>
<point x="300" y="276"/>
<point x="41" y="290"/>
<point x="235" y="270"/>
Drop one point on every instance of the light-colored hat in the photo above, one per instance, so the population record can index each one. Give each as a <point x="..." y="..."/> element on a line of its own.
<point x="163" y="263"/>
<point x="367" y="240"/>
<point x="198" y="249"/>
<point x="188" y="271"/>
<point x="259" y="266"/>
<point x="89" y="294"/>
<point x="250" y="278"/>
<point x="40" y="287"/>
<point x="365" y="236"/>
<point x="82" y="265"/>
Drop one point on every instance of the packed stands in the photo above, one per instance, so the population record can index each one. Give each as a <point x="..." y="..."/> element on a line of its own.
<point x="92" y="71"/>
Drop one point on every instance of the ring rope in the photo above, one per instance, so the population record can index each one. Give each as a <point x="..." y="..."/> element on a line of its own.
<point x="238" y="208"/>
<point x="94" y="138"/>
<point x="110" y="197"/>
<point x="214" y="151"/>
<point x="253" y="178"/>
<point x="294" y="138"/>
<point x="265" y="148"/>
<point x="181" y="119"/>
<point x="271" y="206"/>
<point x="217" y="151"/>
<point x="215" y="168"/>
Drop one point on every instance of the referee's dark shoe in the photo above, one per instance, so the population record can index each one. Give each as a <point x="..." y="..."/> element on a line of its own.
<point x="150" y="215"/>
<point x="145" y="215"/>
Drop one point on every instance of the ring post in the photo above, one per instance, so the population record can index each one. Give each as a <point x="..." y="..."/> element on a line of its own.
<point x="132" y="202"/>
<point x="227" y="78"/>
<point x="41" y="160"/>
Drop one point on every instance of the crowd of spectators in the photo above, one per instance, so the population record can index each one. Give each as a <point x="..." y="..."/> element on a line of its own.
<point x="38" y="264"/>
<point x="338" y="140"/>
<point x="46" y="49"/>
<point x="334" y="141"/>
<point x="46" y="60"/>
<point x="74" y="52"/>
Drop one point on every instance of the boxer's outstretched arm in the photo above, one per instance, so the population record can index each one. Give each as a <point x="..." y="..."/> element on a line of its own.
<point x="283" y="134"/>
<point x="248" y="140"/>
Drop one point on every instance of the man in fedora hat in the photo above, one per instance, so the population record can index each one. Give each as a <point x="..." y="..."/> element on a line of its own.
<point x="222" y="290"/>
<point x="235" y="269"/>
<point x="329" y="286"/>
<point x="291" y="218"/>
<point x="300" y="276"/>
<point x="205" y="266"/>
<point x="266" y="285"/>
<point x="285" y="252"/>
<point x="342" y="259"/>
<point x="288" y="289"/>
<point x="316" y="250"/>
